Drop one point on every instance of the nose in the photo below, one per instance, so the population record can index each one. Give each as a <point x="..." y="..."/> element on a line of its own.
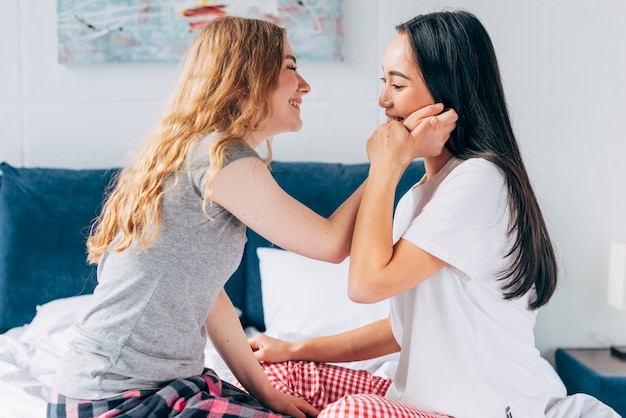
<point x="303" y="86"/>
<point x="383" y="100"/>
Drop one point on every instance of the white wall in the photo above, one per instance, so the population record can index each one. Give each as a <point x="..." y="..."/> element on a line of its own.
<point x="564" y="68"/>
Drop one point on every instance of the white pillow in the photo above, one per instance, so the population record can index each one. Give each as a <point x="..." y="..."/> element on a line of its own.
<point x="303" y="297"/>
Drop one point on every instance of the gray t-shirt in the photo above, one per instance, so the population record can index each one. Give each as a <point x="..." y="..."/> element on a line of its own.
<point x="146" y="326"/>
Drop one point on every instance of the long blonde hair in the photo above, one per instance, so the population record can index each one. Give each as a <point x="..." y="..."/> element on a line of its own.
<point x="225" y="87"/>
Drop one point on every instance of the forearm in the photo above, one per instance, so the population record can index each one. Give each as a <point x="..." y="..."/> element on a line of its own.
<point x="226" y="334"/>
<point x="367" y="342"/>
<point x="343" y="220"/>
<point x="372" y="242"/>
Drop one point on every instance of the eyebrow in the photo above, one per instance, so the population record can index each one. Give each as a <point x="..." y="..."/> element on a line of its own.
<point x="291" y="57"/>
<point x="398" y="73"/>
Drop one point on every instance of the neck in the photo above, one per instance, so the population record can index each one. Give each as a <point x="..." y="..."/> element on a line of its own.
<point x="434" y="164"/>
<point x="254" y="140"/>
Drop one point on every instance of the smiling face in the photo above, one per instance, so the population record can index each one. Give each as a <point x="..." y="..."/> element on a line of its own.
<point x="404" y="90"/>
<point x="286" y="99"/>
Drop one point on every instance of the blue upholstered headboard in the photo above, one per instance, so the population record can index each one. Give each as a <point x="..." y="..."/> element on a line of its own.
<point x="45" y="215"/>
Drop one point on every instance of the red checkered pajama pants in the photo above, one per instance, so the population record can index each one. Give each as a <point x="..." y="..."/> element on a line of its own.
<point x="338" y="391"/>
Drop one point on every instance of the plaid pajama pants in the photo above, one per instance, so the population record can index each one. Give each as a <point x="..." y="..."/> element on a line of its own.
<point x="340" y="392"/>
<point x="204" y="396"/>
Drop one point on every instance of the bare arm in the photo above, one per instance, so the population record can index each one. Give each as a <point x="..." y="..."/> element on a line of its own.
<point x="367" y="342"/>
<point x="378" y="269"/>
<point x="225" y="332"/>
<point x="247" y="189"/>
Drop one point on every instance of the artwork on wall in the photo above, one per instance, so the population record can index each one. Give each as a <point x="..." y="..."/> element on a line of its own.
<point x="99" y="31"/>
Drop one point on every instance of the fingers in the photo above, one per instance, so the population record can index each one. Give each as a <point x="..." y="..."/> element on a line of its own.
<point x="388" y="143"/>
<point x="255" y="343"/>
<point x="297" y="413"/>
<point x="257" y="347"/>
<point x="300" y="412"/>
<point x="430" y="138"/>
<point x="269" y="349"/>
<point x="426" y="111"/>
<point x="308" y="409"/>
<point x="447" y="117"/>
<point x="433" y="114"/>
<point x="258" y="352"/>
<point x="411" y="121"/>
<point x="291" y="405"/>
<point x="428" y="128"/>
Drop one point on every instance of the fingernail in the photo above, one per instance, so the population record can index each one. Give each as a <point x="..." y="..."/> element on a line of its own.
<point x="433" y="121"/>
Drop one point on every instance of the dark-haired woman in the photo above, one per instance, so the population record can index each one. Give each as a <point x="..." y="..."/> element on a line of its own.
<point x="466" y="260"/>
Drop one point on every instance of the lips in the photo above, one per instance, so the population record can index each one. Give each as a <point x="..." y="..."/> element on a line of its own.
<point x="398" y="118"/>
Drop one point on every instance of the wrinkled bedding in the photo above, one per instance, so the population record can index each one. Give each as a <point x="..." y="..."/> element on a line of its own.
<point x="30" y="354"/>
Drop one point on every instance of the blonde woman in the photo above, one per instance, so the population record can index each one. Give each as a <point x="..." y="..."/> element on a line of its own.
<point x="172" y="232"/>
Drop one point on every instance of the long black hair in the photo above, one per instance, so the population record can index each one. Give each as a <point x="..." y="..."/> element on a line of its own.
<point x="458" y="62"/>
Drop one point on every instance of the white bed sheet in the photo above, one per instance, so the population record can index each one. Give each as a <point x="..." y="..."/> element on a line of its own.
<point x="29" y="356"/>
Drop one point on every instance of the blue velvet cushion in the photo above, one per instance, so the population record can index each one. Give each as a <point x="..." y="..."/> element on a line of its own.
<point x="45" y="215"/>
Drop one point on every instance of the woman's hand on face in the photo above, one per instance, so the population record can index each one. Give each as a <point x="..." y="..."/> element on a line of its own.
<point x="271" y="350"/>
<point x="430" y="129"/>
<point x="422" y="134"/>
<point x="390" y="146"/>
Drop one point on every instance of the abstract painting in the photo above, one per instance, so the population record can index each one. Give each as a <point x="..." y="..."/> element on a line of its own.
<point x="100" y="31"/>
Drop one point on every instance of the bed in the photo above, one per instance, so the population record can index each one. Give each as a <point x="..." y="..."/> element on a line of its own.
<point x="45" y="284"/>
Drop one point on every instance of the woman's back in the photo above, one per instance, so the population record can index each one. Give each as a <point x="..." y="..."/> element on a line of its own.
<point x="128" y="340"/>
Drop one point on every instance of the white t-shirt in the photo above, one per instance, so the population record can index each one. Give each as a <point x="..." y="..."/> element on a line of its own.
<point x="466" y="351"/>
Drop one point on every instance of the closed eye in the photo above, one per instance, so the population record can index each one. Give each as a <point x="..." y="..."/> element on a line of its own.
<point x="393" y="85"/>
<point x="291" y="62"/>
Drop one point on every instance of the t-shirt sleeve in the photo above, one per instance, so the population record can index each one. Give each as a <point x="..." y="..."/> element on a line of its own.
<point x="466" y="220"/>
<point x="199" y="159"/>
<point x="237" y="151"/>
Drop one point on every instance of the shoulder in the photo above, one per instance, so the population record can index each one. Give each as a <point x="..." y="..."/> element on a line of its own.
<point x="473" y="183"/>
<point x="239" y="150"/>
<point x="478" y="172"/>
<point x="198" y="160"/>
<point x="479" y="166"/>
<point x="200" y="152"/>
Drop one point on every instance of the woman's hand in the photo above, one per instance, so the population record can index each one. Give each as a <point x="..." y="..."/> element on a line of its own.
<point x="390" y="147"/>
<point x="224" y="330"/>
<point x="422" y="134"/>
<point x="271" y="350"/>
<point x="288" y="405"/>
<point x="430" y="129"/>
